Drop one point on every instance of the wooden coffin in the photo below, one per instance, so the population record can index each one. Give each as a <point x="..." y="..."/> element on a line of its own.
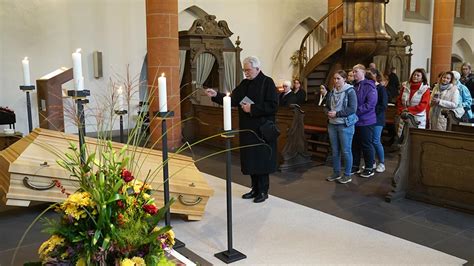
<point x="28" y="168"/>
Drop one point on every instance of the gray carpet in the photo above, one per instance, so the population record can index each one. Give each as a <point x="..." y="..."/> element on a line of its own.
<point x="282" y="232"/>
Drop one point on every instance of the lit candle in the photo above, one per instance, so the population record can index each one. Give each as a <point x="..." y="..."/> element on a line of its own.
<point x="162" y="93"/>
<point x="227" y="113"/>
<point x="120" y="98"/>
<point x="26" y="71"/>
<point x="77" y="70"/>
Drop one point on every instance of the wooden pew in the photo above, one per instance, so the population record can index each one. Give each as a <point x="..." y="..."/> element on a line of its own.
<point x="463" y="127"/>
<point x="437" y="168"/>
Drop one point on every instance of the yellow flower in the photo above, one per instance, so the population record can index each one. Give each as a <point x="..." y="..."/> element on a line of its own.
<point x="49" y="245"/>
<point x="127" y="262"/>
<point x="74" y="205"/>
<point x="139" y="261"/>
<point x="81" y="262"/>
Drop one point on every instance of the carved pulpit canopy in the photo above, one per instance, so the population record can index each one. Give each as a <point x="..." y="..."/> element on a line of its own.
<point x="209" y="26"/>
<point x="399" y="39"/>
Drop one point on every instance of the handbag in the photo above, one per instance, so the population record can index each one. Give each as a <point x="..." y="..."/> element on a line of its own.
<point x="269" y="131"/>
<point x="351" y="120"/>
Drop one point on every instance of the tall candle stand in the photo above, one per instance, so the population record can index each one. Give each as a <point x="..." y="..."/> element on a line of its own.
<point x="27" y="90"/>
<point x="166" y="186"/>
<point x="230" y="255"/>
<point x="121" y="113"/>
<point x="80" y="97"/>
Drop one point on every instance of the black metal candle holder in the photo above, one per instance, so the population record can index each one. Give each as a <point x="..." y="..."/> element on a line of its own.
<point x="121" y="113"/>
<point x="27" y="90"/>
<point x="166" y="185"/>
<point x="230" y="255"/>
<point x="81" y="98"/>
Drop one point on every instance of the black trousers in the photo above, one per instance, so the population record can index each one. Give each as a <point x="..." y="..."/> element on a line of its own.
<point x="362" y="141"/>
<point x="260" y="183"/>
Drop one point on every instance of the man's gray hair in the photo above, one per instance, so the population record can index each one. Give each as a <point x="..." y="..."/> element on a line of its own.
<point x="253" y="61"/>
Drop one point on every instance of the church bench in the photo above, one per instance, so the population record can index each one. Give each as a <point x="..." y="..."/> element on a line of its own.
<point x="436" y="167"/>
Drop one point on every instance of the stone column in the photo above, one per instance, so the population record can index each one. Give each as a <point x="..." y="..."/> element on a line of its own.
<point x="441" y="48"/>
<point x="163" y="57"/>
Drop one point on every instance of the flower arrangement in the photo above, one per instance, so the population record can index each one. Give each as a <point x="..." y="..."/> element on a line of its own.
<point x="110" y="220"/>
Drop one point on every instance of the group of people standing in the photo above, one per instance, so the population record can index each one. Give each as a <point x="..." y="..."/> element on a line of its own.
<point x="355" y="109"/>
<point x="426" y="103"/>
<point x="356" y="115"/>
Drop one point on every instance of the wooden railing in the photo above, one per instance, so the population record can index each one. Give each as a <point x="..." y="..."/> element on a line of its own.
<point x="318" y="37"/>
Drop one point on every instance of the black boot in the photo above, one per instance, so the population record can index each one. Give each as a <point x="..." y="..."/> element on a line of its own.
<point x="261" y="197"/>
<point x="250" y="195"/>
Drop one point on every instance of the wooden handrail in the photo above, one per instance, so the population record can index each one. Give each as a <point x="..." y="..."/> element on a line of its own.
<point x="302" y="46"/>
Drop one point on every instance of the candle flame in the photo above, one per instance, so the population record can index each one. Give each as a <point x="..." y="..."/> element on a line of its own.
<point x="26" y="58"/>
<point x="163" y="74"/>
<point x="228" y="94"/>
<point x="78" y="50"/>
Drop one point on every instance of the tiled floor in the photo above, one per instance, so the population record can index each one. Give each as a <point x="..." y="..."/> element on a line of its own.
<point x="362" y="202"/>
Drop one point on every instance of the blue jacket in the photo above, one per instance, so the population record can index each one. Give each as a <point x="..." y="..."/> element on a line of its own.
<point x="366" y="101"/>
<point x="466" y="98"/>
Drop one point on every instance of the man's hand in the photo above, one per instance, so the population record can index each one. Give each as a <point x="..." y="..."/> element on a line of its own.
<point x="332" y="114"/>
<point x="435" y="101"/>
<point x="211" y="92"/>
<point x="246" y="107"/>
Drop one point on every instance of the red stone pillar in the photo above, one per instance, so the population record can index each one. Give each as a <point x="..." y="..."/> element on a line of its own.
<point x="163" y="57"/>
<point x="441" y="48"/>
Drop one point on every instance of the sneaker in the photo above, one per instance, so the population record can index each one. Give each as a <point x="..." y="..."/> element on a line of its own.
<point x="345" y="179"/>
<point x="367" y="173"/>
<point x="333" y="177"/>
<point x="355" y="170"/>
<point x="380" y="168"/>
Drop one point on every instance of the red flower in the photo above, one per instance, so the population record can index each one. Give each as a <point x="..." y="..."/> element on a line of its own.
<point x="127" y="175"/>
<point x="120" y="204"/>
<point x="151" y="209"/>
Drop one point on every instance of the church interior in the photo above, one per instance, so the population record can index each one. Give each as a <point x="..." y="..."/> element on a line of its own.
<point x="417" y="210"/>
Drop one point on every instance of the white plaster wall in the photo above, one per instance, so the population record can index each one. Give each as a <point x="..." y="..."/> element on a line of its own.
<point x="48" y="31"/>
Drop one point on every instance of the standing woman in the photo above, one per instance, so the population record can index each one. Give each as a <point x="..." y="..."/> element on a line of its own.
<point x="341" y="106"/>
<point x="380" y="108"/>
<point x="300" y="93"/>
<point x="445" y="95"/>
<point x="415" y="98"/>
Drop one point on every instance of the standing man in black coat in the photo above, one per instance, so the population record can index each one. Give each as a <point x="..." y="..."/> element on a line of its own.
<point x="257" y="161"/>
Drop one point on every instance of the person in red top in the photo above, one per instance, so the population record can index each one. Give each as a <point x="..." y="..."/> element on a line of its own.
<point x="414" y="97"/>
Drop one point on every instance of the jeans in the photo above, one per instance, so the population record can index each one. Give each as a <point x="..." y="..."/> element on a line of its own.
<point x="363" y="138"/>
<point x="340" y="137"/>
<point x="377" y="142"/>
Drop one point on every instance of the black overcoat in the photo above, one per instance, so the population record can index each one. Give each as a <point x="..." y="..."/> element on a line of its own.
<point x="262" y="91"/>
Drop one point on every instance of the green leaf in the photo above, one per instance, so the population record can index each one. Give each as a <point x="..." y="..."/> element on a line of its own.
<point x="97" y="235"/>
<point x="115" y="197"/>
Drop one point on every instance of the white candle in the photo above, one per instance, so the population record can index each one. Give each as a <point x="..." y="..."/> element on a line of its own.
<point x="227" y="113"/>
<point x="26" y="71"/>
<point x="162" y="93"/>
<point x="77" y="70"/>
<point x="120" y="98"/>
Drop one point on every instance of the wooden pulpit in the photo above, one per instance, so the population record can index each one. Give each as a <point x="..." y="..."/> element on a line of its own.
<point x="50" y="98"/>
